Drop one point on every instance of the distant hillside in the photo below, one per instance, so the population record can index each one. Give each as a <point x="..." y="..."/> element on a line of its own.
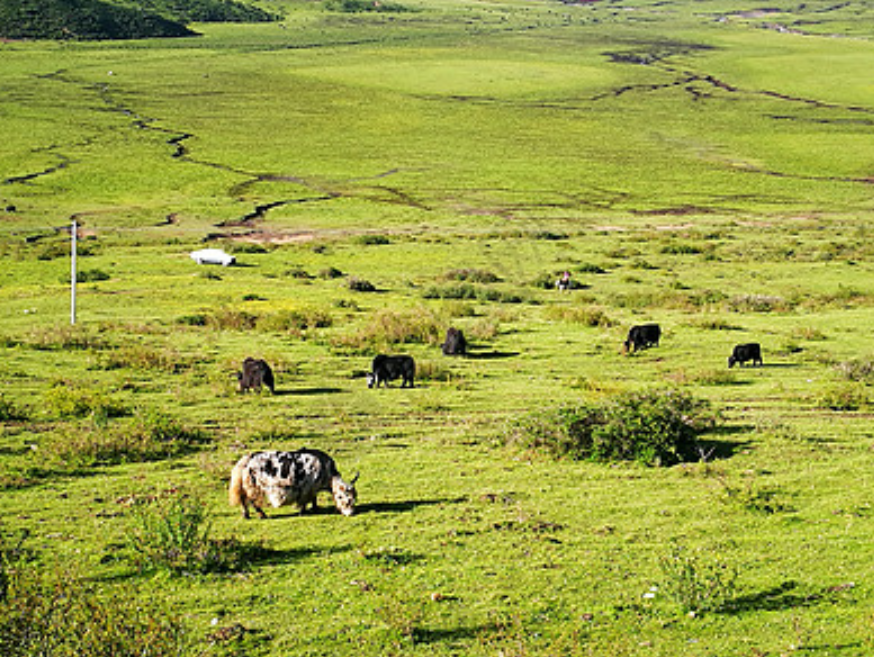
<point x="202" y="11"/>
<point x="99" y="19"/>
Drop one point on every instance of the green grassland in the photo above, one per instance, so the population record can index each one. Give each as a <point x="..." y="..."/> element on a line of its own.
<point x="706" y="166"/>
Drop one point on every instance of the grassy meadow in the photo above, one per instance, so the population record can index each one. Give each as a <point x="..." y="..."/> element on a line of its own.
<point x="701" y="165"/>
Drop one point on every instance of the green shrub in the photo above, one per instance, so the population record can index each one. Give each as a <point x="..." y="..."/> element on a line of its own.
<point x="845" y="397"/>
<point x="469" y="291"/>
<point x="585" y="315"/>
<point x="197" y="319"/>
<point x="750" y="496"/>
<point x="62" y="338"/>
<point x="861" y="370"/>
<point x="59" y="614"/>
<point x="360" y="285"/>
<point x="389" y="327"/>
<point x="471" y="275"/>
<point x="70" y="401"/>
<point x="359" y="6"/>
<point x="653" y="428"/>
<point x="697" y="581"/>
<point x="373" y="240"/>
<point x="230" y="319"/>
<point x="151" y="436"/>
<point x="88" y="276"/>
<point x="680" y="249"/>
<point x="298" y="272"/>
<point x="160" y="428"/>
<point x="248" y="247"/>
<point x="141" y="357"/>
<point x="331" y="272"/>
<point x="713" y="324"/>
<point x="171" y="532"/>
<point x="758" y="303"/>
<point x="11" y="412"/>
<point x="291" y="321"/>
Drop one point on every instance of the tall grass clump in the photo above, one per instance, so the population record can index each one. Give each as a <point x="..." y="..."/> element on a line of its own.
<point x="151" y="436"/>
<point x="471" y="291"/>
<point x="585" y="315"/>
<point x="361" y="6"/>
<point x="295" y="320"/>
<point x="391" y="327"/>
<point x="171" y="532"/>
<point x="67" y="401"/>
<point x="850" y="396"/>
<point x="861" y="370"/>
<point x="697" y="581"/>
<point x="63" y="338"/>
<point x="652" y="428"/>
<point x="145" y="358"/>
<point x="12" y="412"/>
<point x="51" y="612"/>
<point x="471" y="276"/>
<point x="758" y="303"/>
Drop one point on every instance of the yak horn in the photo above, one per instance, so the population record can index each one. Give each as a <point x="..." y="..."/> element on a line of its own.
<point x="355" y="478"/>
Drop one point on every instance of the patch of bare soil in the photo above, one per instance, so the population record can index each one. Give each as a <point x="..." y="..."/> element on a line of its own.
<point x="267" y="237"/>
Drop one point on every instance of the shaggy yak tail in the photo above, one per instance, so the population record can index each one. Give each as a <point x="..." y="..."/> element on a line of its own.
<point x="236" y="494"/>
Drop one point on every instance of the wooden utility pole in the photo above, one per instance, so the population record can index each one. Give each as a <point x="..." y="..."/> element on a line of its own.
<point x="73" y="234"/>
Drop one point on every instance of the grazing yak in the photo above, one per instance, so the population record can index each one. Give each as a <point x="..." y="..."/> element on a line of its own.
<point x="455" y="343"/>
<point x="387" y="368"/>
<point x="282" y="478"/>
<point x="642" y="337"/>
<point x="256" y="372"/>
<point x="744" y="352"/>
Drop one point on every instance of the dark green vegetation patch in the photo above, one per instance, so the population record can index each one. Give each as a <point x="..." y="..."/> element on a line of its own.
<point x="96" y="20"/>
<point x="82" y="20"/>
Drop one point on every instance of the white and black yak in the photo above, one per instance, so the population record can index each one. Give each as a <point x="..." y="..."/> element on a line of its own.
<point x="283" y="478"/>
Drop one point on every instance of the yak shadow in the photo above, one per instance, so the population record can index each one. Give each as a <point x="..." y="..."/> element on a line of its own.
<point x="403" y="507"/>
<point x="718" y="448"/>
<point x="779" y="598"/>
<point x="491" y="355"/>
<point x="306" y="392"/>
<point x="424" y="635"/>
<point x="260" y="555"/>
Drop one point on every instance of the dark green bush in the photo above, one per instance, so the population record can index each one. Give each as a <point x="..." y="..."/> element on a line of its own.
<point x="361" y="285"/>
<point x="331" y="272"/>
<point x="471" y="276"/>
<point x="373" y="240"/>
<point x="90" y="276"/>
<point x="653" y="428"/>
<point x="679" y="248"/>
<point x="198" y="319"/>
<point x="468" y="291"/>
